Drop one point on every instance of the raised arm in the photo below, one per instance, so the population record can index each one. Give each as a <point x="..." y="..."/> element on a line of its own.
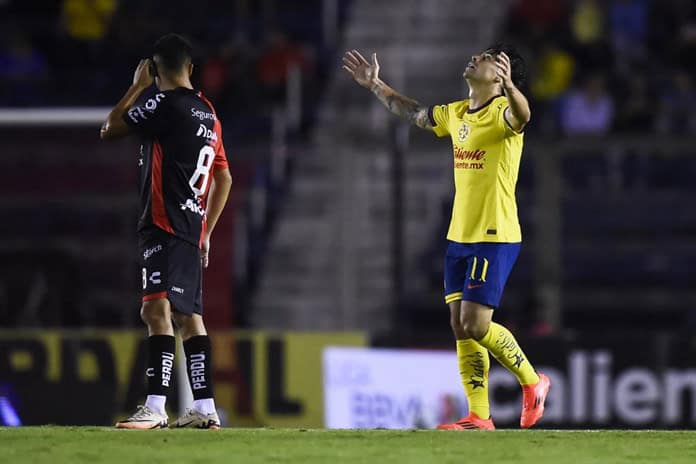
<point x="115" y="126"/>
<point x="518" y="113"/>
<point x="367" y="75"/>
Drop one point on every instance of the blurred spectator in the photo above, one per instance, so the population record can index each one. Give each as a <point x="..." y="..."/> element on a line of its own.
<point x="22" y="70"/>
<point x="589" y="110"/>
<point x="686" y="39"/>
<point x="536" y="17"/>
<point x="629" y="27"/>
<point x="226" y="78"/>
<point x="215" y="75"/>
<point x="676" y="105"/>
<point x="553" y="73"/>
<point x="587" y="22"/>
<point x="87" y="20"/>
<point x="552" y="76"/>
<point x="89" y="49"/>
<point x="636" y="114"/>
<point x="587" y="25"/>
<point x="627" y="41"/>
<point x="84" y="24"/>
<point x="276" y="62"/>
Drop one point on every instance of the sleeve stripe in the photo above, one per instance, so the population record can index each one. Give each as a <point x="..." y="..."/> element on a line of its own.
<point x="431" y="117"/>
<point x="510" y="125"/>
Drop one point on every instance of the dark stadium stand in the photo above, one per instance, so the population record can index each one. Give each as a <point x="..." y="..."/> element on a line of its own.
<point x="627" y="227"/>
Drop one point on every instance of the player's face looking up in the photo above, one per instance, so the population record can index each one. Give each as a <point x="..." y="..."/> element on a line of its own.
<point x="482" y="68"/>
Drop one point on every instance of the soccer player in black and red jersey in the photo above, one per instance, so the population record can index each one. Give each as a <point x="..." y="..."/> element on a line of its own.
<point x="184" y="184"/>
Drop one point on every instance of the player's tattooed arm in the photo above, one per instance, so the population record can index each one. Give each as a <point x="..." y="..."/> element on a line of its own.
<point x="402" y="106"/>
<point x="115" y="126"/>
<point x="367" y="75"/>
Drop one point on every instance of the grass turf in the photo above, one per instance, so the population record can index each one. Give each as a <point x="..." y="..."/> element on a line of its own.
<point x="58" y="445"/>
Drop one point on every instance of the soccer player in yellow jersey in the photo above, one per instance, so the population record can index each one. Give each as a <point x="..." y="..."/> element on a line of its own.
<point x="484" y="235"/>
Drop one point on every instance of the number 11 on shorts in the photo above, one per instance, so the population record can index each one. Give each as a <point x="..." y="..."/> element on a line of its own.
<point x="484" y="269"/>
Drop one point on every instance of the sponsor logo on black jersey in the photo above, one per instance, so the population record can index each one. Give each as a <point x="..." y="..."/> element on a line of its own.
<point x="207" y="133"/>
<point x="155" y="278"/>
<point x="151" y="251"/>
<point x="202" y="115"/>
<point x="138" y="113"/>
<point x="193" y="205"/>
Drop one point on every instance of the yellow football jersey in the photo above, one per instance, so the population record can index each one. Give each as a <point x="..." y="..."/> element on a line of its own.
<point x="487" y="154"/>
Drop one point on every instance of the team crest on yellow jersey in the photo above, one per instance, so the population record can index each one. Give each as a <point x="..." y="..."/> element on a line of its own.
<point x="463" y="132"/>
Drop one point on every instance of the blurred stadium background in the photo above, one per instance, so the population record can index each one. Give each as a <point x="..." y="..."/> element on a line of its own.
<point x="334" y="234"/>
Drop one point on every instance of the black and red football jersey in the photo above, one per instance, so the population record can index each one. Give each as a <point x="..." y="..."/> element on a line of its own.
<point x="182" y="147"/>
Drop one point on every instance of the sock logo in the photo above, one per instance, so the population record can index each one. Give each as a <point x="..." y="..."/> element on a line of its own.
<point x="197" y="369"/>
<point x="167" y="365"/>
<point x="505" y="342"/>
<point x="150" y="372"/>
<point x="519" y="359"/>
<point x="478" y="378"/>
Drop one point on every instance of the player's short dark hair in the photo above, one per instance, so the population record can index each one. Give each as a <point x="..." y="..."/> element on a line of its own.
<point x="518" y="68"/>
<point x="173" y="52"/>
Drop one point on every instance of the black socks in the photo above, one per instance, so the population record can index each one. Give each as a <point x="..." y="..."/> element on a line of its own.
<point x="198" y="364"/>
<point x="160" y="365"/>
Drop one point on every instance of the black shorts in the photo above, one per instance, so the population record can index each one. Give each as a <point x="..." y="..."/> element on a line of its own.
<point x="171" y="269"/>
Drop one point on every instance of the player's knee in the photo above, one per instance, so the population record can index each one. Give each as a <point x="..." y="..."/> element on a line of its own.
<point x="457" y="327"/>
<point x="189" y="325"/>
<point x="475" y="329"/>
<point x="155" y="312"/>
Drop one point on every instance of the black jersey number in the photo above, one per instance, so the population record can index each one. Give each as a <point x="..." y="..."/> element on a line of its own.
<point x="199" y="179"/>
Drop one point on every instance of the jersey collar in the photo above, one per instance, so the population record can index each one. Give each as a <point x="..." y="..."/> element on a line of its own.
<point x="470" y="111"/>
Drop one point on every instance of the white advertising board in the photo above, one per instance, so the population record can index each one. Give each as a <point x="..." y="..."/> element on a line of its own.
<point x="404" y="389"/>
<point x="394" y="389"/>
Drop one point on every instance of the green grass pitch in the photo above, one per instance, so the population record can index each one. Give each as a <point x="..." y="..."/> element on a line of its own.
<point x="58" y="445"/>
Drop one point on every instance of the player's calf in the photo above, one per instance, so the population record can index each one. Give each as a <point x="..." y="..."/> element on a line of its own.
<point x="198" y="351"/>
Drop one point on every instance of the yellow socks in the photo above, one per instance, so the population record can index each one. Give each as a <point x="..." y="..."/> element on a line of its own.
<point x="503" y="346"/>
<point x="474" y="364"/>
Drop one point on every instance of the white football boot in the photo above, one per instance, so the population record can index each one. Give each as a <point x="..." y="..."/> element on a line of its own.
<point x="144" y="419"/>
<point x="198" y="420"/>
